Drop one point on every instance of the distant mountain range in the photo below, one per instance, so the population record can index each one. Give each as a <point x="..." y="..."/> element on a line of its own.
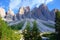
<point x="42" y="13"/>
<point x="45" y="19"/>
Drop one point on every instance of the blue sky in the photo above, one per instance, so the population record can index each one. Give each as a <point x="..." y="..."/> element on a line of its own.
<point x="16" y="4"/>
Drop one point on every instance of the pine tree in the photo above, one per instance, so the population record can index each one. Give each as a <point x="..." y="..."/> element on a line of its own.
<point x="35" y="32"/>
<point x="26" y="32"/>
<point x="57" y="26"/>
<point x="31" y="33"/>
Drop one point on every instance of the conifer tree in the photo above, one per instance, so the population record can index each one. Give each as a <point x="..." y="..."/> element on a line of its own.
<point x="27" y="31"/>
<point x="35" y="32"/>
<point x="31" y="33"/>
<point x="57" y="26"/>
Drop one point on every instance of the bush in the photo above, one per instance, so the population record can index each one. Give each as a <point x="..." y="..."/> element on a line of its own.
<point x="51" y="36"/>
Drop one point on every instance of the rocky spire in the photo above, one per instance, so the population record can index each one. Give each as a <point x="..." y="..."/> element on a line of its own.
<point x="27" y="9"/>
<point x="10" y="12"/>
<point x="53" y="14"/>
<point x="10" y="16"/>
<point x="2" y="12"/>
<point x="21" y="11"/>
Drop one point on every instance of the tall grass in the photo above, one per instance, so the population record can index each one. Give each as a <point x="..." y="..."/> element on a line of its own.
<point x="6" y="33"/>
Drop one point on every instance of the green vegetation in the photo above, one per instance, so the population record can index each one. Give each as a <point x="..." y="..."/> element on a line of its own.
<point x="51" y="36"/>
<point x="26" y="32"/>
<point x="35" y="32"/>
<point x="57" y="26"/>
<point x="58" y="21"/>
<point x="11" y="33"/>
<point x="31" y="33"/>
<point x="17" y="26"/>
<point x="51" y="26"/>
<point x="6" y="33"/>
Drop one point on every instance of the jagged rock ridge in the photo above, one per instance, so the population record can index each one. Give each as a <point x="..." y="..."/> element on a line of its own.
<point x="42" y="13"/>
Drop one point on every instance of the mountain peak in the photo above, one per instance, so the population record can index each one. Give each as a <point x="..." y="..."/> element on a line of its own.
<point x="55" y="10"/>
<point x="43" y="6"/>
<point x="21" y="10"/>
<point x="27" y="8"/>
<point x="10" y="12"/>
<point x="2" y="12"/>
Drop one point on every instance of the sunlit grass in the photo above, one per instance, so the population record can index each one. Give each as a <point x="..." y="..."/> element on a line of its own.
<point x="6" y="33"/>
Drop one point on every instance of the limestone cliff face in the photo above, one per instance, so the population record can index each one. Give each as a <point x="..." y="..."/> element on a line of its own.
<point x="53" y="14"/>
<point x="21" y="11"/>
<point x="2" y="12"/>
<point x="27" y="9"/>
<point x="27" y="12"/>
<point x="9" y="15"/>
<point x="42" y="12"/>
<point x="10" y="12"/>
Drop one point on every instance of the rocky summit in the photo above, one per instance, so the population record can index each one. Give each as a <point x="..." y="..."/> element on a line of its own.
<point x="42" y="12"/>
<point x="2" y="12"/>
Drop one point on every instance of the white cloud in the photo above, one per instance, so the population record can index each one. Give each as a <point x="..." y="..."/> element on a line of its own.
<point x="15" y="4"/>
<point x="48" y="1"/>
